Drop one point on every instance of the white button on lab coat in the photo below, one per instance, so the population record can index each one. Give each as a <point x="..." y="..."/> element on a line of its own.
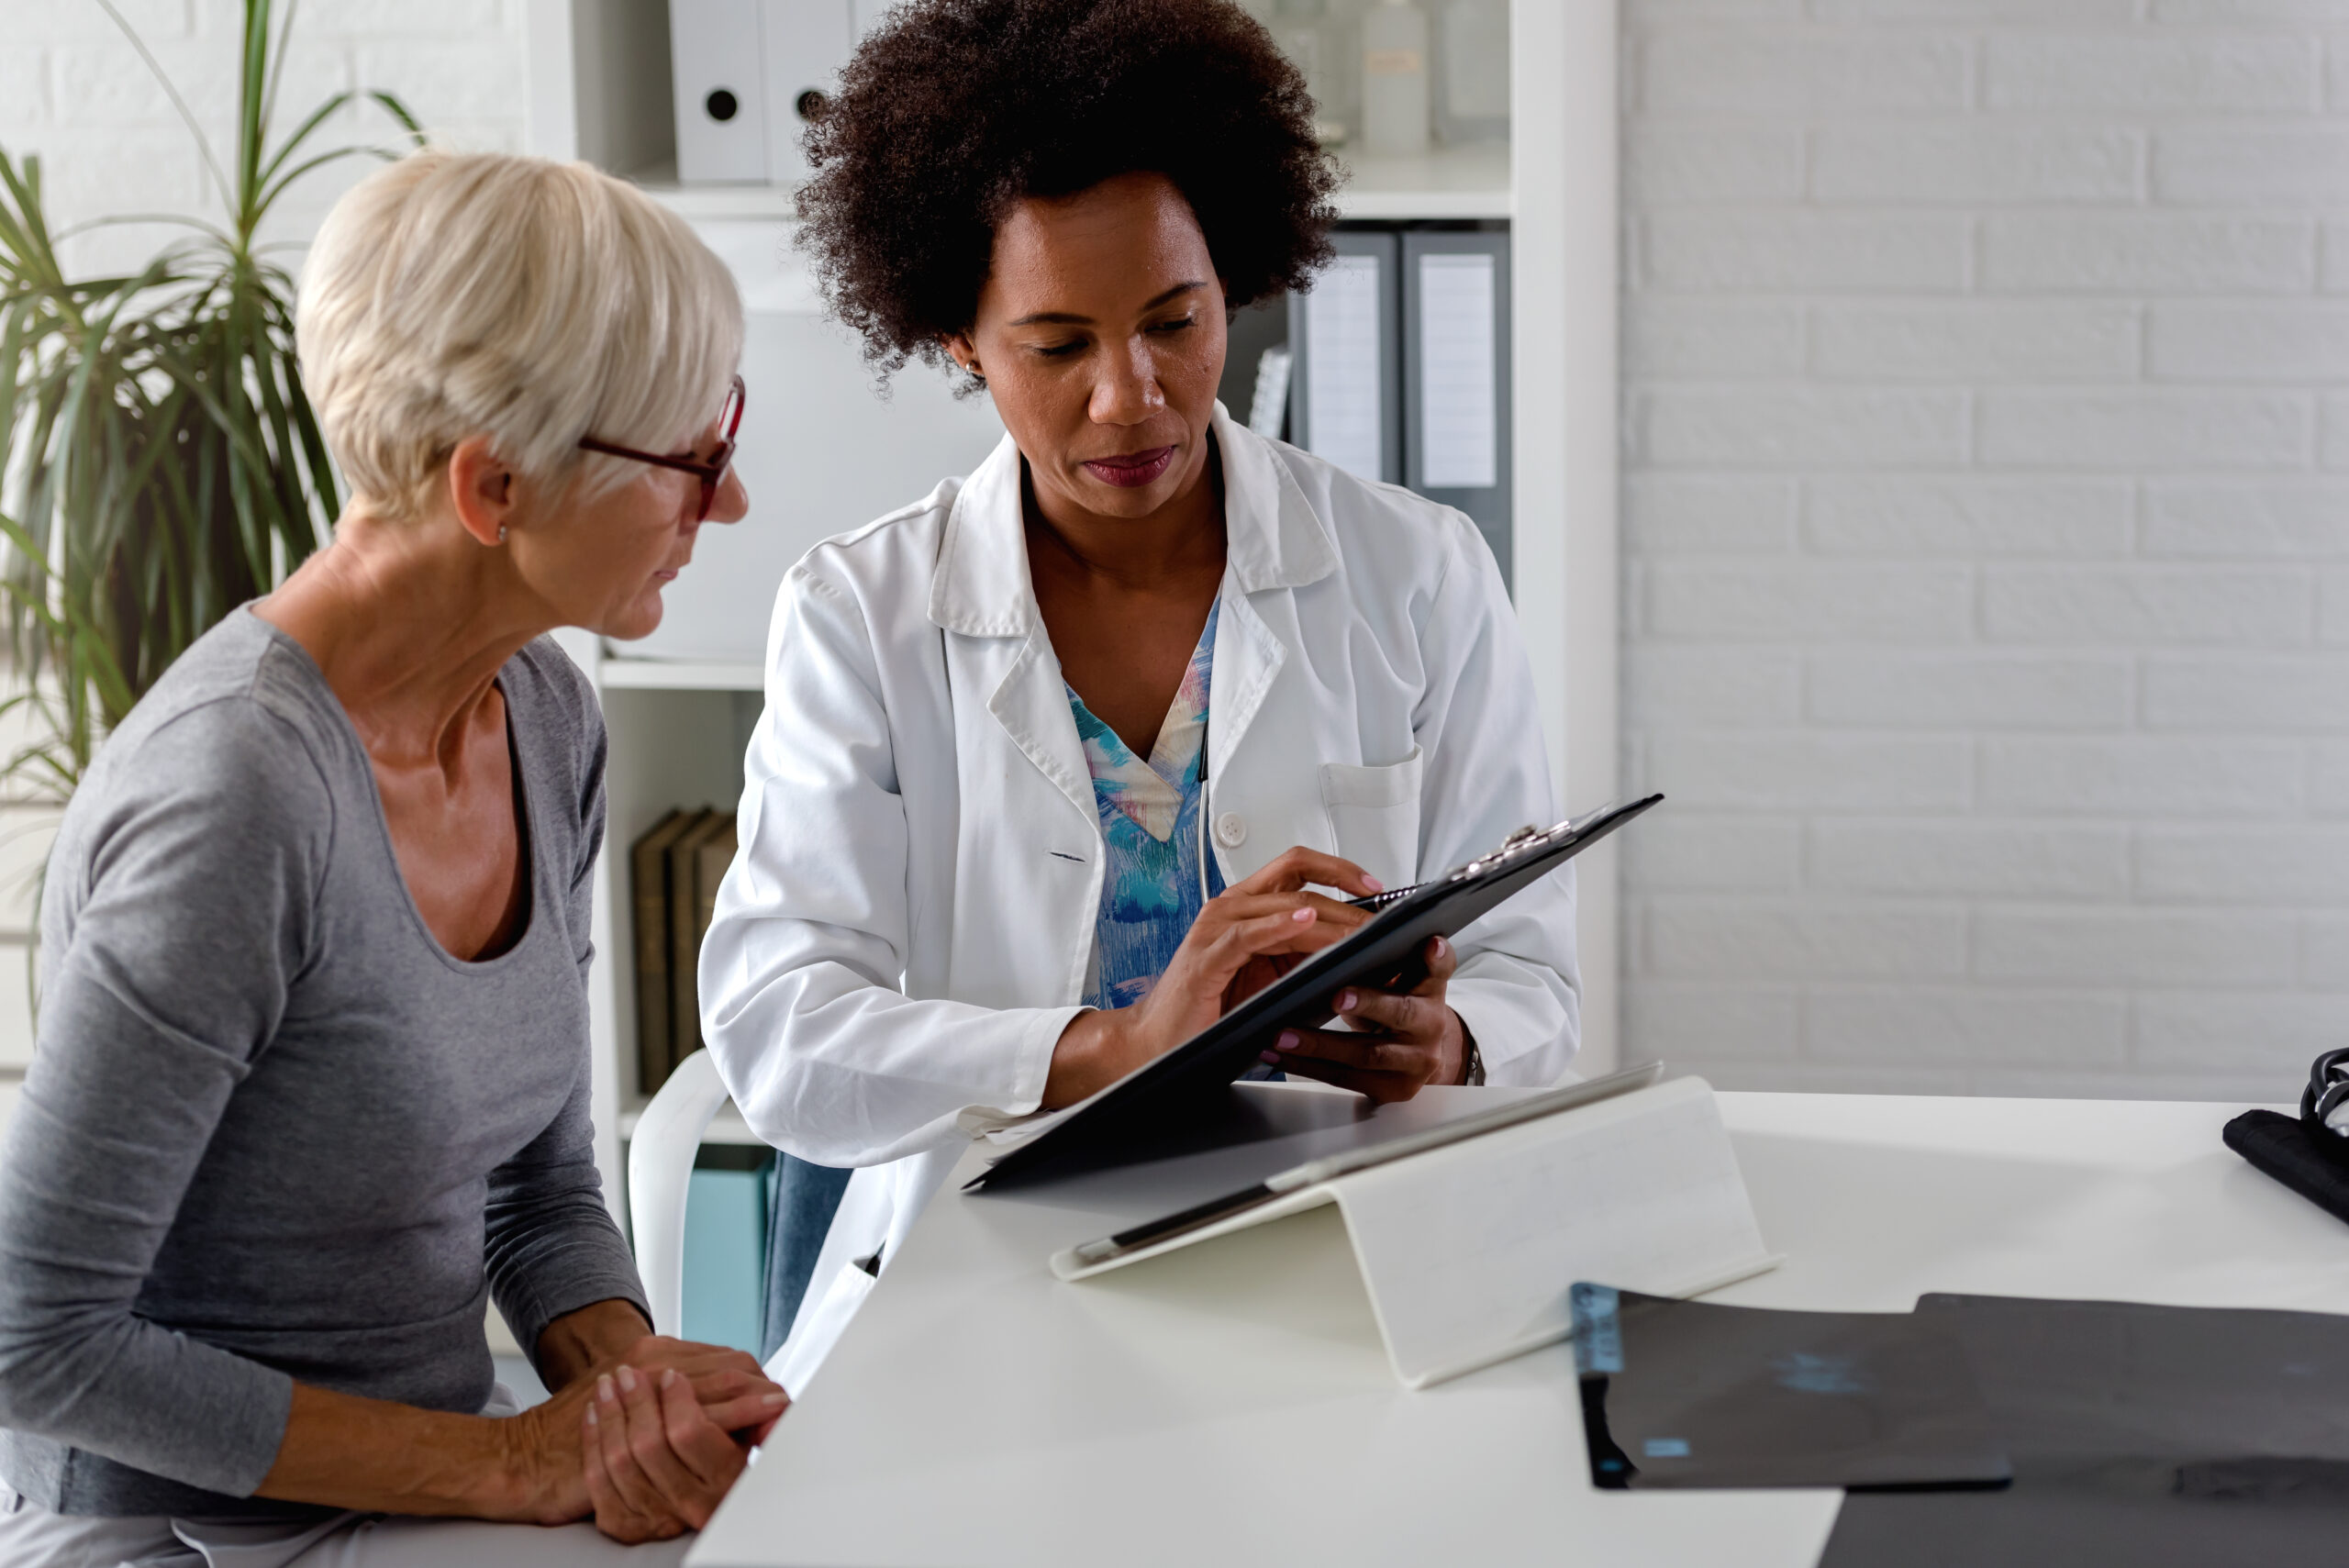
<point x="908" y="925"/>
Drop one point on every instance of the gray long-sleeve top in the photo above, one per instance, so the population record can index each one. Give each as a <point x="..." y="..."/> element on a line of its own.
<point x="273" y="1131"/>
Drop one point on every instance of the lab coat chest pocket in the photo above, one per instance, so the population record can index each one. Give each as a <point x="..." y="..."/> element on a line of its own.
<point x="1375" y="816"/>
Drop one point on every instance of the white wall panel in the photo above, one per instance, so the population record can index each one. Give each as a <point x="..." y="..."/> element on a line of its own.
<point x="1985" y="532"/>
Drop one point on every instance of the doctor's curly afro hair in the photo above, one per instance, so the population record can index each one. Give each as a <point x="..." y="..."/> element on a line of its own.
<point x="953" y="110"/>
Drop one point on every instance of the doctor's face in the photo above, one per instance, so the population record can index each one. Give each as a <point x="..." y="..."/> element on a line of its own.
<point x="1100" y="332"/>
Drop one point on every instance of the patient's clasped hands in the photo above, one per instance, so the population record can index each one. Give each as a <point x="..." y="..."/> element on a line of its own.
<point x="648" y="1441"/>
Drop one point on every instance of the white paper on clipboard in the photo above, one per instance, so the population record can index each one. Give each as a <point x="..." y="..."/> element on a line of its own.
<point x="1341" y="379"/>
<point x="1459" y="423"/>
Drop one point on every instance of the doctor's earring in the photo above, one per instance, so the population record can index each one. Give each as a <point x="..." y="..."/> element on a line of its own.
<point x="501" y="533"/>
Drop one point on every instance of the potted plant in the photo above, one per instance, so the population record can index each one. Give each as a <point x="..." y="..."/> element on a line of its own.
<point x="162" y="462"/>
<point x="159" y="464"/>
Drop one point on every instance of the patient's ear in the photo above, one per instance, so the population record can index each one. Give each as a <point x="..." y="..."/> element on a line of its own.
<point x="482" y="491"/>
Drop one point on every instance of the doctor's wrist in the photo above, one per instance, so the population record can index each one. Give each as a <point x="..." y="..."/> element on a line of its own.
<point x="1471" y="1061"/>
<point x="1094" y="1050"/>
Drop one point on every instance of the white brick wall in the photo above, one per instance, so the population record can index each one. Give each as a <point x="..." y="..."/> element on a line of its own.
<point x="73" y="90"/>
<point x="1986" y="530"/>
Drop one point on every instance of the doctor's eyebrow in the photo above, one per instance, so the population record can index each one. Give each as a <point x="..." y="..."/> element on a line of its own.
<point x="1067" y="318"/>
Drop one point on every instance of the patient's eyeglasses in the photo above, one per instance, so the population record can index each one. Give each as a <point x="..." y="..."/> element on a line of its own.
<point x="710" y="471"/>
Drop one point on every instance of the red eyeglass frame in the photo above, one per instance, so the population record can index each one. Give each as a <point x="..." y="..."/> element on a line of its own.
<point x="711" y="472"/>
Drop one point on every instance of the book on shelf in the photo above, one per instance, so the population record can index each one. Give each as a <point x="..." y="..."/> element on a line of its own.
<point x="710" y="861"/>
<point x="674" y="869"/>
<point x="649" y="888"/>
<point x="684" y="934"/>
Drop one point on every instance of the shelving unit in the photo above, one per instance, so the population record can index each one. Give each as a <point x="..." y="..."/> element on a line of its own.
<point x="1451" y="183"/>
<point x="676" y="728"/>
<point x="659" y="675"/>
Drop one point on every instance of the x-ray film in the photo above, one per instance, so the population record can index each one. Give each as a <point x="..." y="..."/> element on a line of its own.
<point x="1685" y="1394"/>
<point x="2160" y="1437"/>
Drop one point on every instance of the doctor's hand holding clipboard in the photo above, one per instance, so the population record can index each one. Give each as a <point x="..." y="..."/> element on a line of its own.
<point x="1243" y="940"/>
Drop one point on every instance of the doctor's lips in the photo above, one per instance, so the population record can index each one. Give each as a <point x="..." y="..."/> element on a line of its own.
<point x="1132" y="470"/>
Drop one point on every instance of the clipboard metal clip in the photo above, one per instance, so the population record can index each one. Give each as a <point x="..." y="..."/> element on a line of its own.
<point x="1526" y="838"/>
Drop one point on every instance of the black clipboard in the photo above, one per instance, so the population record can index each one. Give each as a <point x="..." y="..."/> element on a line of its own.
<point x="1385" y="955"/>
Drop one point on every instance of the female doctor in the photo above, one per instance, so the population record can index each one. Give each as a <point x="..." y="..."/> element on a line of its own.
<point x="1060" y="760"/>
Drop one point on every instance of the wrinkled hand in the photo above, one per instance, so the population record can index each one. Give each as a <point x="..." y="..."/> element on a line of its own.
<point x="1399" y="1043"/>
<point x="1268" y="921"/>
<point x="723" y="1385"/>
<point x="657" y="1462"/>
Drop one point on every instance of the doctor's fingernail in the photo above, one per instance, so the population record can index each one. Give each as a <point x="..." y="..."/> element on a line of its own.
<point x="628" y="1380"/>
<point x="669" y="1378"/>
<point x="591" y="1417"/>
<point x="1373" y="883"/>
<point x="1269" y="1058"/>
<point x="1287" y="1041"/>
<point x="775" y="1397"/>
<point x="1346" y="1001"/>
<point x="604" y="1388"/>
<point x="1301" y="916"/>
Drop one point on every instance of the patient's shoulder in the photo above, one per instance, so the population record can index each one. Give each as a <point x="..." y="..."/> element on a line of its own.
<point x="242" y="711"/>
<point x="226" y="767"/>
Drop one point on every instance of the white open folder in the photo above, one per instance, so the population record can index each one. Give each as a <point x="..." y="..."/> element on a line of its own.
<point x="1469" y="1236"/>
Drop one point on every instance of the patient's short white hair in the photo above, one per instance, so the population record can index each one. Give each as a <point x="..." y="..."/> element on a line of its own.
<point x="460" y="295"/>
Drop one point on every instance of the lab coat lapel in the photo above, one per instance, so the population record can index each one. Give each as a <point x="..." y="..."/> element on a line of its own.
<point x="1247" y="658"/>
<point x="1031" y="703"/>
<point x="1274" y="544"/>
<point x="981" y="590"/>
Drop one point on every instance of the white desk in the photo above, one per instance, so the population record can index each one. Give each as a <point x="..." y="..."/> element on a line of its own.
<point x="1230" y="1403"/>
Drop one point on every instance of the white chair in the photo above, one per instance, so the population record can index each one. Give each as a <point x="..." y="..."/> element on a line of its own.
<point x="659" y="1175"/>
<point x="660" y="1172"/>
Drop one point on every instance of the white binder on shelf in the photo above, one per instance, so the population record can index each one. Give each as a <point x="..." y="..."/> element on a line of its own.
<point x="1456" y="377"/>
<point x="1469" y="1247"/>
<point x="806" y="41"/>
<point x="1345" y="368"/>
<point x="717" y="68"/>
<point x="751" y="75"/>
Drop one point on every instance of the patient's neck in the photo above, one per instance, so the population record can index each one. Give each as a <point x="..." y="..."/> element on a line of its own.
<point x="410" y="621"/>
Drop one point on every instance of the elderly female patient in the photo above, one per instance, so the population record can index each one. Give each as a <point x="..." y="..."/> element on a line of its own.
<point x="313" y="1074"/>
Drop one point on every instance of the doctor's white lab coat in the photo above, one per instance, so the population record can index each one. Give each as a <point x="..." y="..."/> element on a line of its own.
<point x="908" y="925"/>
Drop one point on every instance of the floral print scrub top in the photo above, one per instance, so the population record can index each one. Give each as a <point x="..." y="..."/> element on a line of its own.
<point x="1150" y="825"/>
